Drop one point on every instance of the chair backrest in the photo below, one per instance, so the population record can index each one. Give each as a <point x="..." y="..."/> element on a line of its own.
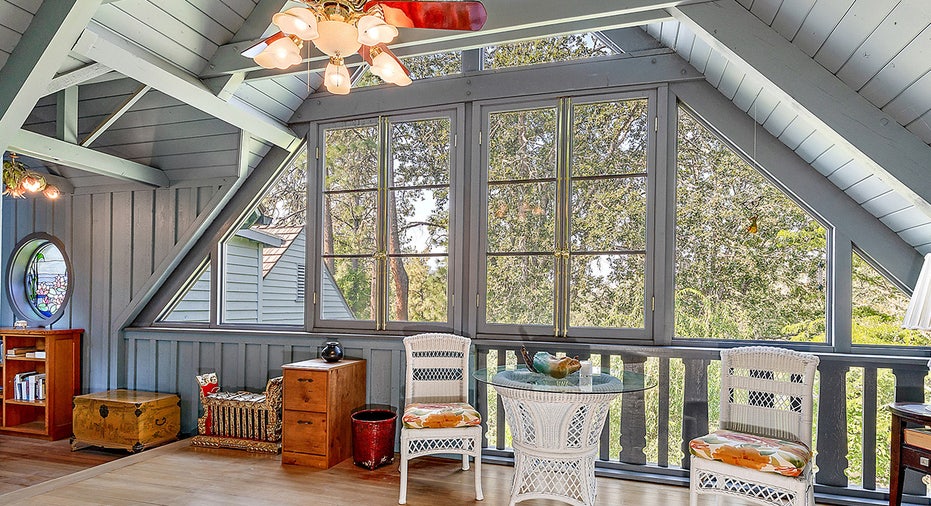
<point x="208" y="383"/>
<point x="437" y="368"/>
<point x="768" y="391"/>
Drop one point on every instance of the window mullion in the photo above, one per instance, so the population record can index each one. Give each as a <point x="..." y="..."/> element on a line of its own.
<point x="563" y="148"/>
<point x="381" y="227"/>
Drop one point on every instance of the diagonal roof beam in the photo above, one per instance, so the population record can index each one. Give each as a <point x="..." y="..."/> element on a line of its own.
<point x="36" y="58"/>
<point x="115" y="115"/>
<point x="76" y="77"/>
<point x="65" y="153"/>
<point x="102" y="45"/>
<point x="894" y="153"/>
<point x="507" y="21"/>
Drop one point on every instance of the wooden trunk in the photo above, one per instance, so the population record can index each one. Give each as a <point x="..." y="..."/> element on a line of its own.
<point x="125" y="419"/>
<point x="319" y="398"/>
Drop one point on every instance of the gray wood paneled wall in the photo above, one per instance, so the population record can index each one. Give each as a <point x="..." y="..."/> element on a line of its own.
<point x="116" y="242"/>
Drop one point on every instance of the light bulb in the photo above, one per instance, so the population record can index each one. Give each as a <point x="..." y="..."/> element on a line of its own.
<point x="51" y="191"/>
<point x="336" y="78"/>
<point x="298" y="21"/>
<point x="33" y="182"/>
<point x="280" y="54"/>
<point x="389" y="70"/>
<point x="373" y="30"/>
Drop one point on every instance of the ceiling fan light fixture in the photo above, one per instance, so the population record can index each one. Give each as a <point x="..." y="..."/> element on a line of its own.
<point x="280" y="54"/>
<point x="299" y="21"/>
<point x="336" y="77"/>
<point x="386" y="66"/>
<point x="373" y="30"/>
<point x="337" y="38"/>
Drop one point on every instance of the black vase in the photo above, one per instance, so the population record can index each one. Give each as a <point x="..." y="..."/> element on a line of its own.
<point x="332" y="352"/>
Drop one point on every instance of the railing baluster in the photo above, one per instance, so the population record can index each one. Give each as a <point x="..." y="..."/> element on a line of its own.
<point x="481" y="393"/>
<point x="604" y="449"/>
<point x="909" y="386"/>
<point x="499" y="419"/>
<point x="869" y="428"/>
<point x="662" y="446"/>
<point x="832" y="425"/>
<point x="695" y="404"/>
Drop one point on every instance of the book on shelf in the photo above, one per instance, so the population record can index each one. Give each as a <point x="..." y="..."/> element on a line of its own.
<point x="20" y="351"/>
<point x="35" y="354"/>
<point x="29" y="386"/>
<point x="918" y="437"/>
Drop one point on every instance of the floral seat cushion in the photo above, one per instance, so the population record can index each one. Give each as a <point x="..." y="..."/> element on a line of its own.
<point x="440" y="415"/>
<point x="787" y="458"/>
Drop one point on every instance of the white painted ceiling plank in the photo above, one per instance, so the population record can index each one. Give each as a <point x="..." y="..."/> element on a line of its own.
<point x="904" y="219"/>
<point x="701" y="53"/>
<point x="780" y="118"/>
<point x="115" y="115"/>
<point x="747" y="94"/>
<point x="717" y="63"/>
<point x="890" y="150"/>
<point x="110" y="49"/>
<point x="921" y="127"/>
<point x="907" y="67"/>
<point x="765" y="10"/>
<point x="813" y="147"/>
<point x="832" y="159"/>
<point x="14" y="17"/>
<point x="36" y="58"/>
<point x="848" y="174"/>
<point x="198" y="21"/>
<point x="859" y="22"/>
<point x="54" y="150"/>
<point x="886" y="203"/>
<point x="668" y="33"/>
<point x="820" y="22"/>
<point x="895" y="32"/>
<point x="796" y="133"/>
<point x="915" y="234"/>
<point x="867" y="189"/>
<point x="791" y="15"/>
<point x="730" y="81"/>
<point x="912" y="103"/>
<point x="76" y="77"/>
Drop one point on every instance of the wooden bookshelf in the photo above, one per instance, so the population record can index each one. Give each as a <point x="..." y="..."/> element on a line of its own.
<point x="50" y="417"/>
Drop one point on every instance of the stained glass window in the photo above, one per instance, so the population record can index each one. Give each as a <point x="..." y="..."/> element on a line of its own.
<point x="46" y="280"/>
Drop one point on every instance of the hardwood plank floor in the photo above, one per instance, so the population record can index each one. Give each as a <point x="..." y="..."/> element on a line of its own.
<point x="179" y="474"/>
<point x="26" y="461"/>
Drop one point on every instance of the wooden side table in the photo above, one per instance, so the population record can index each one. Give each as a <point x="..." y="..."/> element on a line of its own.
<point x="903" y="455"/>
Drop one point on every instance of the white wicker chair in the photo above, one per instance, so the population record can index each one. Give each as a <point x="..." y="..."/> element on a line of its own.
<point x="438" y="372"/>
<point x="765" y="391"/>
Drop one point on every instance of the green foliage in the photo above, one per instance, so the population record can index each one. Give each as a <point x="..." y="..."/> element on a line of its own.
<point x="552" y="49"/>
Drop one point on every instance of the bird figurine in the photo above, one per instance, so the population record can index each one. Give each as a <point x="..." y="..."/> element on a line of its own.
<point x="547" y="363"/>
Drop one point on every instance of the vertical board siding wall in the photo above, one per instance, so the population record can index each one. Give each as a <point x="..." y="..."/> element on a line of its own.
<point x="116" y="242"/>
<point x="168" y="359"/>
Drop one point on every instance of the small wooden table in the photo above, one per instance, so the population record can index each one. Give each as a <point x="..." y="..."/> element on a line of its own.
<point x="903" y="455"/>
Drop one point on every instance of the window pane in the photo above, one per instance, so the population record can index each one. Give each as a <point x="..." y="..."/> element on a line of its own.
<point x="521" y="217"/>
<point x="420" y="150"/>
<point x="425" y="283"/>
<point x="349" y="223"/>
<point x="551" y="49"/>
<point x="609" y="214"/>
<point x="46" y="280"/>
<point x="422" y="221"/>
<point x="750" y="263"/>
<point x="421" y="67"/>
<point x="878" y="310"/>
<point x="522" y="145"/>
<point x="610" y="138"/>
<point x="195" y="305"/>
<point x="606" y="291"/>
<point x="520" y="289"/>
<point x="347" y="289"/>
<point x="262" y="259"/>
<point x="351" y="158"/>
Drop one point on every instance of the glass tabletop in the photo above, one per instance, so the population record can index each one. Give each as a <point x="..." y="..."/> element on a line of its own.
<point x="522" y="378"/>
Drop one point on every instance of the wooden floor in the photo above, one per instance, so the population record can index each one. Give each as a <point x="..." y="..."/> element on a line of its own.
<point x="179" y="474"/>
<point x="26" y="461"/>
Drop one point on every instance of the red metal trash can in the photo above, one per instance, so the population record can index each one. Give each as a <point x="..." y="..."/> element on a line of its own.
<point x="373" y="437"/>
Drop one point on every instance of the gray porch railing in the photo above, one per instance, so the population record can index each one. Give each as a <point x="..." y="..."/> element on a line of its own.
<point x="647" y="433"/>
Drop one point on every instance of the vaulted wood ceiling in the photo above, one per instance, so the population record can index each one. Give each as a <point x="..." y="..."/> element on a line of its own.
<point x="162" y="93"/>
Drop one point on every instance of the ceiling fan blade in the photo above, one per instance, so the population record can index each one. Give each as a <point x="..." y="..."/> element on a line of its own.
<point x="439" y="15"/>
<point x="253" y="50"/>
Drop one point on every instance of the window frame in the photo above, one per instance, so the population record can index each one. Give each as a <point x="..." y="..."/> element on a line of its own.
<point x="564" y="149"/>
<point x="316" y="167"/>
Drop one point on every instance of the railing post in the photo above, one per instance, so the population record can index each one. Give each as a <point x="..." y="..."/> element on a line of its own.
<point x="909" y="387"/>
<point x="633" y="416"/>
<point x="832" y="425"/>
<point x="694" y="404"/>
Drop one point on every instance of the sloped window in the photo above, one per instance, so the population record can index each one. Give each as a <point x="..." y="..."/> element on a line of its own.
<point x="262" y="258"/>
<point x="422" y="67"/>
<point x="546" y="50"/>
<point x="194" y="305"/>
<point x="749" y="261"/>
<point x="878" y="309"/>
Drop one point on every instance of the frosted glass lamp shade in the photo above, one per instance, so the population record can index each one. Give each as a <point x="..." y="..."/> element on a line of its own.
<point x="918" y="314"/>
<point x="373" y="30"/>
<point x="336" y="78"/>
<point x="298" y="21"/>
<point x="280" y="54"/>
<point x="337" y="38"/>
<point x="389" y="70"/>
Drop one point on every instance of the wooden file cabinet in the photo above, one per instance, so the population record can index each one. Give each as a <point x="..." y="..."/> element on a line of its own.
<point x="319" y="398"/>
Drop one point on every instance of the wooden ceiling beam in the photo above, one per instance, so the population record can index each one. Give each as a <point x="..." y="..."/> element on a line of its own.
<point x="76" y="77"/>
<point x="100" y="44"/>
<point x="36" y="58"/>
<point x="897" y="156"/>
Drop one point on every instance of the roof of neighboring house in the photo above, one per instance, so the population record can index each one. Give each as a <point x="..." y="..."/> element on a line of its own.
<point x="271" y="255"/>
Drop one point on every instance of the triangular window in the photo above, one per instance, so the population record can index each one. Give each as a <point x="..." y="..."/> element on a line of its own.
<point x="878" y="308"/>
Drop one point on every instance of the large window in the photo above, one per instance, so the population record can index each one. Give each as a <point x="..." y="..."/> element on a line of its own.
<point x="878" y="309"/>
<point x="566" y="216"/>
<point x="750" y="262"/>
<point x="385" y="213"/>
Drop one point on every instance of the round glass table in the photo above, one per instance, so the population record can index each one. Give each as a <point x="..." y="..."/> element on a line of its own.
<point x="556" y="427"/>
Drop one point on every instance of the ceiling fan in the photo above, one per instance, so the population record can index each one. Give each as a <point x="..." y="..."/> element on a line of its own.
<point x="340" y="28"/>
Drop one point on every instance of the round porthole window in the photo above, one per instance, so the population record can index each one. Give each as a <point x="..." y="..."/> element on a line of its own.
<point x="39" y="279"/>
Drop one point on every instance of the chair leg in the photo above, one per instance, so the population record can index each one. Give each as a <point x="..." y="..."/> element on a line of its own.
<point x="693" y="487"/>
<point x="402" y="498"/>
<point x="478" y="477"/>
<point x="465" y="461"/>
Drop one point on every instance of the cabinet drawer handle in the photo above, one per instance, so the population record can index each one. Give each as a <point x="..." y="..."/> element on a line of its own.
<point x="308" y="380"/>
<point x="305" y="422"/>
